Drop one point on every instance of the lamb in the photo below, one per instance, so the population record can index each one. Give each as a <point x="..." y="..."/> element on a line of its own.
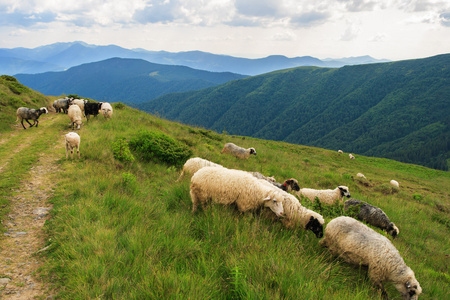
<point x="358" y="244"/>
<point x="228" y="186"/>
<point x="26" y="114"/>
<point x="106" y="110"/>
<point x="296" y="214"/>
<point x="351" y="156"/>
<point x="194" y="164"/>
<point x="361" y="175"/>
<point x="288" y="185"/>
<point x="394" y="183"/>
<point x="326" y="196"/>
<point x="91" y="109"/>
<point x="237" y="151"/>
<point x="372" y="215"/>
<point x="74" y="114"/>
<point x="72" y="142"/>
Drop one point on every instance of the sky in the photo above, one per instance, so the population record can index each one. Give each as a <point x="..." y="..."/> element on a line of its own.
<point x="383" y="29"/>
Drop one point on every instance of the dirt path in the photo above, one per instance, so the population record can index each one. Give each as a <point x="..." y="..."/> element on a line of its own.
<point x="24" y="236"/>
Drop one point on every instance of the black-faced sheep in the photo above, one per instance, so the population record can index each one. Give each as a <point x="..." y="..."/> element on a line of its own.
<point x="228" y="186"/>
<point x="326" y="196"/>
<point x="372" y="215"/>
<point x="288" y="185"/>
<point x="26" y="114"/>
<point x="106" y="110"/>
<point x="194" y="164"/>
<point x="72" y="141"/>
<point x="74" y="114"/>
<point x="358" y="244"/>
<point x="91" y="109"/>
<point x="237" y="151"/>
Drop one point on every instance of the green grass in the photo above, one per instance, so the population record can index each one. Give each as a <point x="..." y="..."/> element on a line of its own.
<point x="124" y="229"/>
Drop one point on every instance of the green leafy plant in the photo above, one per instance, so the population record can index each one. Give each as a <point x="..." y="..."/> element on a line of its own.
<point x="122" y="151"/>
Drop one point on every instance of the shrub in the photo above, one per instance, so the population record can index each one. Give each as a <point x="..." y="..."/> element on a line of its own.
<point x="122" y="151"/>
<point x="119" y="105"/>
<point x="157" y="146"/>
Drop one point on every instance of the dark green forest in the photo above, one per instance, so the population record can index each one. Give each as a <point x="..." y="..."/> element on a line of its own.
<point x="398" y="110"/>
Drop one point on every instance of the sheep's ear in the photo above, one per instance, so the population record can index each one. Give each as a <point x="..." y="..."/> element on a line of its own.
<point x="267" y="198"/>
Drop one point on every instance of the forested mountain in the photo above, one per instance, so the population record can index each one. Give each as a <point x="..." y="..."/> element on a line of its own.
<point x="398" y="110"/>
<point x="124" y="80"/>
<point x="61" y="56"/>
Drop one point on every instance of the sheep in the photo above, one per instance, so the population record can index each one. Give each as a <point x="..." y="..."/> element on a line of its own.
<point x="72" y="142"/>
<point x="74" y="114"/>
<point x="372" y="215"/>
<point x="261" y="176"/>
<point x="358" y="244"/>
<point x="296" y="214"/>
<point x="326" y="196"/>
<point x="56" y="106"/>
<point x="63" y="104"/>
<point x="394" y="183"/>
<point x="91" y="109"/>
<point x="106" y="110"/>
<point x="288" y="185"/>
<point x="351" y="156"/>
<point x="194" y="164"/>
<point x="237" y="151"/>
<point x="26" y="114"/>
<point x="80" y="103"/>
<point x="340" y="151"/>
<point x="228" y="186"/>
<point x="361" y="175"/>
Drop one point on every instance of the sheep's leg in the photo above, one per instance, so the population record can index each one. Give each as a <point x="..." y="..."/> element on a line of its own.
<point x="21" y="122"/>
<point x="78" y="152"/>
<point x="194" y="201"/>
<point x="36" y="122"/>
<point x="29" y="122"/>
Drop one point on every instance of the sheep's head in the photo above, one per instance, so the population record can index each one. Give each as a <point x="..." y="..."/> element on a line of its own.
<point x="315" y="226"/>
<point x="274" y="205"/>
<point x="292" y="184"/>
<point x="344" y="191"/>
<point x="252" y="151"/>
<point x="392" y="230"/>
<point x="410" y="289"/>
<point x="43" y="110"/>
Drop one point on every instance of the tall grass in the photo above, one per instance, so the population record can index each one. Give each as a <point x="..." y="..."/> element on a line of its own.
<point x="124" y="229"/>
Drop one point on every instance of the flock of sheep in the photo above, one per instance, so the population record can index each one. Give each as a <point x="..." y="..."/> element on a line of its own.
<point x="344" y="236"/>
<point x="75" y="109"/>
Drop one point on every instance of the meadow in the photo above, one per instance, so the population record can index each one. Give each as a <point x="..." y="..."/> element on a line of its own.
<point x="122" y="228"/>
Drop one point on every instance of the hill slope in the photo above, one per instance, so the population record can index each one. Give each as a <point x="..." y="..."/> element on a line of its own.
<point x="123" y="228"/>
<point x="124" y="80"/>
<point x="398" y="110"/>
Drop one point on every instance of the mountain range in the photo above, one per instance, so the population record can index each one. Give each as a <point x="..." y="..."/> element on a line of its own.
<point x="398" y="110"/>
<point x="61" y="56"/>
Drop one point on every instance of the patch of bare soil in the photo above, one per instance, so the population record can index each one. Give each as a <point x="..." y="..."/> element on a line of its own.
<point x="24" y="237"/>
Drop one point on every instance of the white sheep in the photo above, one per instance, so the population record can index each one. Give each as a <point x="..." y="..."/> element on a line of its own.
<point x="106" y="110"/>
<point x="80" y="103"/>
<point x="361" y="175"/>
<point x="228" y="186"/>
<point x="358" y="244"/>
<point x="394" y="183"/>
<point x="326" y="196"/>
<point x="237" y="151"/>
<point x="72" y="142"/>
<point x="74" y="114"/>
<point x="26" y="114"/>
<point x="340" y="151"/>
<point x="194" y="164"/>
<point x="351" y="156"/>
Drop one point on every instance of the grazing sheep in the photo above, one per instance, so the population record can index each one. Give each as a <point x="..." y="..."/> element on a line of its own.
<point x="63" y="104"/>
<point x="74" y="114"/>
<point x="228" y="186"/>
<point x="372" y="215"/>
<point x="358" y="244"/>
<point x="340" y="151"/>
<point x="106" y="110"/>
<point x="26" y="114"/>
<point x="261" y="176"/>
<point x="194" y="164"/>
<point x="361" y="175"/>
<point x="237" y="151"/>
<point x="80" y="103"/>
<point x="326" y="196"/>
<point x="394" y="183"/>
<point x="72" y="142"/>
<point x="351" y="156"/>
<point x="91" y="109"/>
<point x="288" y="185"/>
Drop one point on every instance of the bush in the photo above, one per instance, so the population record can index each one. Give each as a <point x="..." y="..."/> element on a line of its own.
<point x="119" y="105"/>
<point x="121" y="150"/>
<point x="157" y="146"/>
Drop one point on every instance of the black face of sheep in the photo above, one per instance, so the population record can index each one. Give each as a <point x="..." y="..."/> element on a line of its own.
<point x="252" y="151"/>
<point x="293" y="185"/>
<point x="315" y="226"/>
<point x="344" y="192"/>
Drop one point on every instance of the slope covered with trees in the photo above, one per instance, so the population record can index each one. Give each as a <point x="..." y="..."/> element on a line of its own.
<point x="399" y="110"/>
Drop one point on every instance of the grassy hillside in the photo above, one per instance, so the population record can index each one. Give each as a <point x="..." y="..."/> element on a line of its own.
<point x="123" y="229"/>
<point x="398" y="110"/>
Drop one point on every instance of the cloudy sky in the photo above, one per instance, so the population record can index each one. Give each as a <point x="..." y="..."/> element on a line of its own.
<point x="392" y="29"/>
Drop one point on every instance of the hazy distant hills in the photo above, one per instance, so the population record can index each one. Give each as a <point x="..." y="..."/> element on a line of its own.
<point x="398" y="110"/>
<point x="61" y="56"/>
<point x="124" y="80"/>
